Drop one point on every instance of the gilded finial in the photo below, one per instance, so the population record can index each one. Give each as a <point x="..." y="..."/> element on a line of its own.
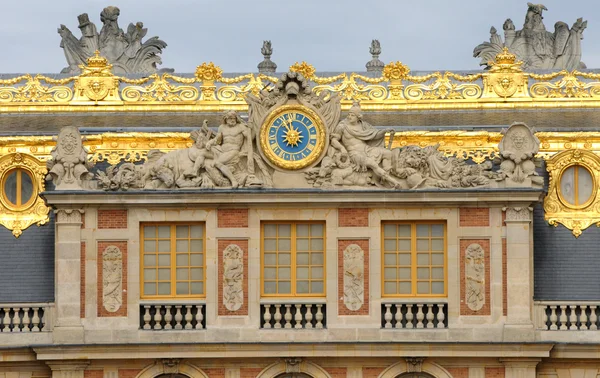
<point x="208" y="72"/>
<point x="304" y="69"/>
<point x="97" y="61"/>
<point x="395" y="71"/>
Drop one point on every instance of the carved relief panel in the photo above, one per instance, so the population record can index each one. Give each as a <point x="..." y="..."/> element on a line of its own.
<point x="354" y="280"/>
<point x="233" y="275"/>
<point x="112" y="278"/>
<point x="475" y="277"/>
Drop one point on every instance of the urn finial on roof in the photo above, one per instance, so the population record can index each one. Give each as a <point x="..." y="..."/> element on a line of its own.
<point x="375" y="65"/>
<point x="267" y="66"/>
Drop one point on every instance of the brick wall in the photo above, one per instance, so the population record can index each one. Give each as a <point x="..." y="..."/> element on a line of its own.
<point x="474" y="217"/>
<point x="342" y="245"/>
<point x="353" y="217"/>
<point x="337" y="372"/>
<point x="372" y="372"/>
<point x="129" y="373"/>
<point x="122" y="245"/>
<point x="82" y="283"/>
<point x="250" y="372"/>
<point x="93" y="374"/>
<point x="504" y="279"/>
<point x="112" y="219"/>
<point x="232" y="218"/>
<point x="458" y="372"/>
<point x="494" y="372"/>
<point x="464" y="308"/>
<point x="215" y="373"/>
<point x="222" y="244"/>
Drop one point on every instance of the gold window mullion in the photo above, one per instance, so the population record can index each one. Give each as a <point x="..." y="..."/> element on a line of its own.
<point x="173" y="261"/>
<point x="413" y="259"/>
<point x="19" y="187"/>
<point x="293" y="258"/>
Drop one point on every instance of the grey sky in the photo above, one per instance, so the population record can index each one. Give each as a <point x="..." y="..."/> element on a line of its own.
<point x="331" y="35"/>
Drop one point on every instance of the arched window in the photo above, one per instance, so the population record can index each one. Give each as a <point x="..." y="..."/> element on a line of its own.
<point x="415" y="375"/>
<point x="294" y="375"/>
<point x="174" y="375"/>
<point x="18" y="189"/>
<point x="576" y="186"/>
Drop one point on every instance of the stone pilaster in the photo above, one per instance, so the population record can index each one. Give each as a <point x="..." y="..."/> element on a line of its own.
<point x="68" y="328"/>
<point x="519" y="367"/>
<point x="68" y="369"/>
<point x="519" y="272"/>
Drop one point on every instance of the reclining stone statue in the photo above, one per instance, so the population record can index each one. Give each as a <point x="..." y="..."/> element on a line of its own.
<point x="125" y="51"/>
<point x="536" y="47"/>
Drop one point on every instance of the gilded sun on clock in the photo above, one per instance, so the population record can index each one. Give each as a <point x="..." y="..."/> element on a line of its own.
<point x="292" y="137"/>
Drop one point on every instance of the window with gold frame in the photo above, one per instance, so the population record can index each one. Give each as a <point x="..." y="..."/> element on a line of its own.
<point x="414" y="261"/>
<point x="173" y="260"/>
<point x="18" y="189"/>
<point x="293" y="259"/>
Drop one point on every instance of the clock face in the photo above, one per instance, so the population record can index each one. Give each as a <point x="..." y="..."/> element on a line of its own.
<point x="292" y="137"/>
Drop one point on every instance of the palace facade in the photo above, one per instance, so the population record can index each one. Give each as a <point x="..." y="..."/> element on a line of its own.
<point x="379" y="224"/>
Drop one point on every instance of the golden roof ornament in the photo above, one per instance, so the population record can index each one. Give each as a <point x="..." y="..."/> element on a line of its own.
<point x="96" y="66"/>
<point x="305" y="69"/>
<point x="395" y="71"/>
<point x="208" y="72"/>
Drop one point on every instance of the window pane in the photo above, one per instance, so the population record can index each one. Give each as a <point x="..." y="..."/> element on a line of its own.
<point x="183" y="274"/>
<point x="302" y="244"/>
<point x="270" y="244"/>
<point x="302" y="287"/>
<point x="316" y="244"/>
<point x="270" y="273"/>
<point x="197" y="259"/>
<point x="437" y="273"/>
<point x="285" y="259"/>
<point x="405" y="288"/>
<point x="10" y="187"/>
<point x="437" y="230"/>
<point x="316" y="258"/>
<point x="164" y="274"/>
<point x="164" y="260"/>
<point x="389" y="245"/>
<point x="149" y="274"/>
<point x="389" y="288"/>
<point x="285" y="230"/>
<point x="389" y="230"/>
<point x="302" y="273"/>
<point x="423" y="287"/>
<point x="270" y="287"/>
<point x="284" y="273"/>
<point x="404" y="245"/>
<point x="422" y="230"/>
<point x="404" y="273"/>
<point x="150" y="288"/>
<point x="164" y="246"/>
<point x="270" y="259"/>
<point x="422" y="259"/>
<point x="437" y="244"/>
<point x="389" y="259"/>
<point x="437" y="288"/>
<point x="423" y="273"/>
<point x="164" y="288"/>
<point x="316" y="287"/>
<point x="302" y="258"/>
<point x="404" y="259"/>
<point x="182" y="232"/>
<point x="182" y="288"/>
<point x="270" y="230"/>
<point x="389" y="273"/>
<point x="422" y="244"/>
<point x="284" y="287"/>
<point x="567" y="185"/>
<point x="437" y="259"/>
<point x="404" y="230"/>
<point x="302" y="230"/>
<point x="196" y="246"/>
<point x="316" y="230"/>
<point x="197" y="274"/>
<point x="164" y="232"/>
<point x="585" y="184"/>
<point x="284" y="245"/>
<point x="196" y="232"/>
<point x="197" y="288"/>
<point x="149" y="246"/>
<point x="182" y="259"/>
<point x="149" y="232"/>
<point x="149" y="260"/>
<point x="182" y="245"/>
<point x="316" y="273"/>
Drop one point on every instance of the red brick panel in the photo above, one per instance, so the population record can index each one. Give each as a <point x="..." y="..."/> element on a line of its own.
<point x="250" y="372"/>
<point x="474" y="217"/>
<point x="342" y="245"/>
<point x="353" y="217"/>
<point x="504" y="279"/>
<point x="222" y="244"/>
<point x="122" y="245"/>
<point x="82" y="283"/>
<point x="215" y="373"/>
<point x="129" y="373"/>
<point x="372" y="372"/>
<point x="458" y="372"/>
<point x="494" y="372"/>
<point x="337" y="372"/>
<point x="464" y="308"/>
<point x="93" y="374"/>
<point x="232" y="218"/>
<point x="112" y="219"/>
<point x="503" y="218"/>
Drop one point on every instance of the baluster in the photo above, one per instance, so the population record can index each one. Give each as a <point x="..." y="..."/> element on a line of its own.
<point x="157" y="317"/>
<point x="35" y="320"/>
<point x="16" y="319"/>
<point x="572" y="318"/>
<point x="429" y="316"/>
<point x="409" y="316"/>
<point x="319" y="317"/>
<point x="387" y="317"/>
<point x="26" y="320"/>
<point x="583" y="317"/>
<point x="440" y="316"/>
<point x="168" y="317"/>
<point x="563" y="318"/>
<point x="553" y="318"/>
<point x="6" y="319"/>
<point x="593" y="318"/>
<point x="188" y="317"/>
<point x="43" y="318"/>
<point x="397" y="316"/>
<point x="178" y="317"/>
<point x="147" y="317"/>
<point x="298" y="316"/>
<point x="308" y="316"/>
<point x="267" y="317"/>
<point x="288" y="316"/>
<point x="420" y="316"/>
<point x="199" y="317"/>
<point x="277" y="316"/>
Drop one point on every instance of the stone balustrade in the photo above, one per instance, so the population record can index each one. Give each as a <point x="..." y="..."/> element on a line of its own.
<point x="25" y="317"/>
<point x="568" y="316"/>
<point x="414" y="315"/>
<point x="167" y="317"/>
<point x="292" y="315"/>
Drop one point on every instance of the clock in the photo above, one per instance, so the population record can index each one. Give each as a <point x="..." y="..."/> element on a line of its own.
<point x="293" y="137"/>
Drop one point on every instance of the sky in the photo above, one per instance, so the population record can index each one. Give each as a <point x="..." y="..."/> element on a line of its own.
<point x="331" y="35"/>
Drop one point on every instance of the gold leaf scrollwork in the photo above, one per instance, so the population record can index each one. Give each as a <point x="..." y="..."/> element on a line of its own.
<point x="305" y="69"/>
<point x="18" y="218"/>
<point x="557" y="210"/>
<point x="160" y="90"/>
<point x="208" y="72"/>
<point x="352" y="90"/>
<point x="568" y="86"/>
<point x="443" y="88"/>
<point x="395" y="71"/>
<point x="34" y="91"/>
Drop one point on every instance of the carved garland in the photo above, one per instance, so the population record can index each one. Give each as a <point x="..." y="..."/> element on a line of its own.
<point x="557" y="209"/>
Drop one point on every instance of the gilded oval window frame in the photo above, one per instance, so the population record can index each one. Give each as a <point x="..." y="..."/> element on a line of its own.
<point x="34" y="189"/>
<point x="592" y="197"/>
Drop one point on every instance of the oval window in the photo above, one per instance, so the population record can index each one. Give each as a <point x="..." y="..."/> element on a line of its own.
<point x="17" y="188"/>
<point x="576" y="186"/>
